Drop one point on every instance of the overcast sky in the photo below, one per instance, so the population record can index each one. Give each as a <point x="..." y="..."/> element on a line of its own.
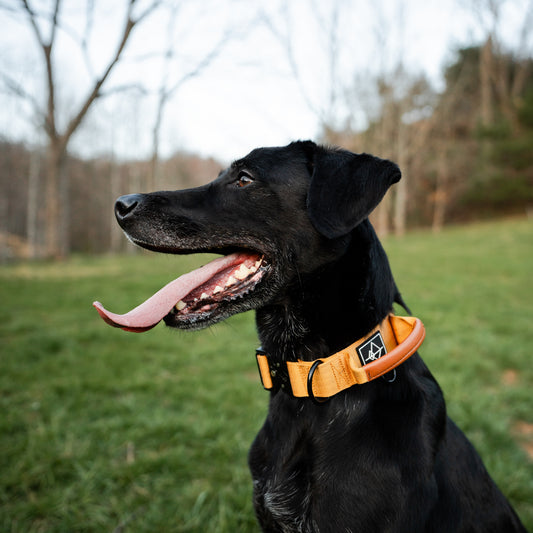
<point x="249" y="95"/>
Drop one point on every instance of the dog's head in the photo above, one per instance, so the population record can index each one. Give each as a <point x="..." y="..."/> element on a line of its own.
<point x="276" y="215"/>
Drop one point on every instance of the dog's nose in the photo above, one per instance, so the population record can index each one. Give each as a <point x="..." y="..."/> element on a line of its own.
<point x="125" y="205"/>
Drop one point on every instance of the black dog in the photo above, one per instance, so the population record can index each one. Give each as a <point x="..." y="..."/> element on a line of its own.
<point x="292" y="225"/>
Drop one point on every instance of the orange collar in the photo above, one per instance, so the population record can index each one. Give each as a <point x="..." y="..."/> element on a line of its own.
<point x="388" y="345"/>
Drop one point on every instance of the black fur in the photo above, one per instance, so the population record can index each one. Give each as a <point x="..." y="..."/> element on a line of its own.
<point x="381" y="457"/>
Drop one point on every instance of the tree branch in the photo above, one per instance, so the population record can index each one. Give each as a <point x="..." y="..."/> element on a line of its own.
<point x="33" y="22"/>
<point x="95" y="92"/>
<point x="8" y="8"/>
<point x="284" y="39"/>
<point x="202" y="64"/>
<point x="54" y="23"/>
<point x="13" y="87"/>
<point x="150" y="9"/>
<point x="46" y="47"/>
<point x="84" y="45"/>
<point x="123" y="88"/>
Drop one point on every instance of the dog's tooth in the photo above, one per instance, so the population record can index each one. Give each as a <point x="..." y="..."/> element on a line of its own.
<point x="243" y="272"/>
<point x="231" y="281"/>
<point x="218" y="289"/>
<point x="204" y="295"/>
<point x="180" y="305"/>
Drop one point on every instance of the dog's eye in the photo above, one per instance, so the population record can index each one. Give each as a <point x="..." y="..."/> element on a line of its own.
<point x="244" y="179"/>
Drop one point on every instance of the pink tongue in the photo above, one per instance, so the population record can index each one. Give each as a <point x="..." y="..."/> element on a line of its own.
<point x="152" y="311"/>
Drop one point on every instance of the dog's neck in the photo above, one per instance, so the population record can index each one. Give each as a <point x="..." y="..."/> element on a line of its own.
<point x="331" y="309"/>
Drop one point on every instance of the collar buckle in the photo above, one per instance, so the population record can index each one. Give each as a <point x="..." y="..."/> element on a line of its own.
<point x="275" y="371"/>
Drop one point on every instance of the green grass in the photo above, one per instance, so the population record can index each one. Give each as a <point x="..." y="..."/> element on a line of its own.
<point x="102" y="430"/>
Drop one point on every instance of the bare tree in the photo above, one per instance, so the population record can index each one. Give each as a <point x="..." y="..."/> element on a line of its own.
<point x="58" y="138"/>
<point x="384" y="110"/>
<point x="168" y="88"/>
<point x="326" y="17"/>
<point x="499" y="87"/>
<point x="32" y="210"/>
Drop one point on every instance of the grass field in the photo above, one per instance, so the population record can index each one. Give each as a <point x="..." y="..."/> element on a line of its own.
<point x="107" y="431"/>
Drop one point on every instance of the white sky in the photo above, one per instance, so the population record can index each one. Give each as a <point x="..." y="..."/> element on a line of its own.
<point x="248" y="96"/>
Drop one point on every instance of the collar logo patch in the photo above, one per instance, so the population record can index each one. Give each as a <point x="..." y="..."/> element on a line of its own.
<point x="372" y="349"/>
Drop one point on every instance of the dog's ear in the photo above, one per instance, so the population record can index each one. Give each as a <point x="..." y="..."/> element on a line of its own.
<point x="345" y="188"/>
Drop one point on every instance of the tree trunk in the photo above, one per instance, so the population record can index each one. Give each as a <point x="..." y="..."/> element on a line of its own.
<point x="32" y="211"/>
<point x="441" y="192"/>
<point x="381" y="219"/>
<point x="55" y="245"/>
<point x="4" y="233"/>
<point x="116" y="234"/>
<point x="400" y="203"/>
<point x="486" y="68"/>
<point x="136" y="180"/>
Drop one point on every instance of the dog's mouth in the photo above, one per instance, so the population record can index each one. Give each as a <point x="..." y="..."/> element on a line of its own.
<point x="196" y="297"/>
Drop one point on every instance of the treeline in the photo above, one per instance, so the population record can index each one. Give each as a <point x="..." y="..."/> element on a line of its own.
<point x="466" y="153"/>
<point x="93" y="185"/>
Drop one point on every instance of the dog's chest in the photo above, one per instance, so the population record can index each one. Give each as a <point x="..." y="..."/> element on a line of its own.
<point x="282" y="500"/>
<point x="282" y="486"/>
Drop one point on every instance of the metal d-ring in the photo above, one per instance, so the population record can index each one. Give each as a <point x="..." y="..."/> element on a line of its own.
<point x="310" y="375"/>
<point x="391" y="380"/>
